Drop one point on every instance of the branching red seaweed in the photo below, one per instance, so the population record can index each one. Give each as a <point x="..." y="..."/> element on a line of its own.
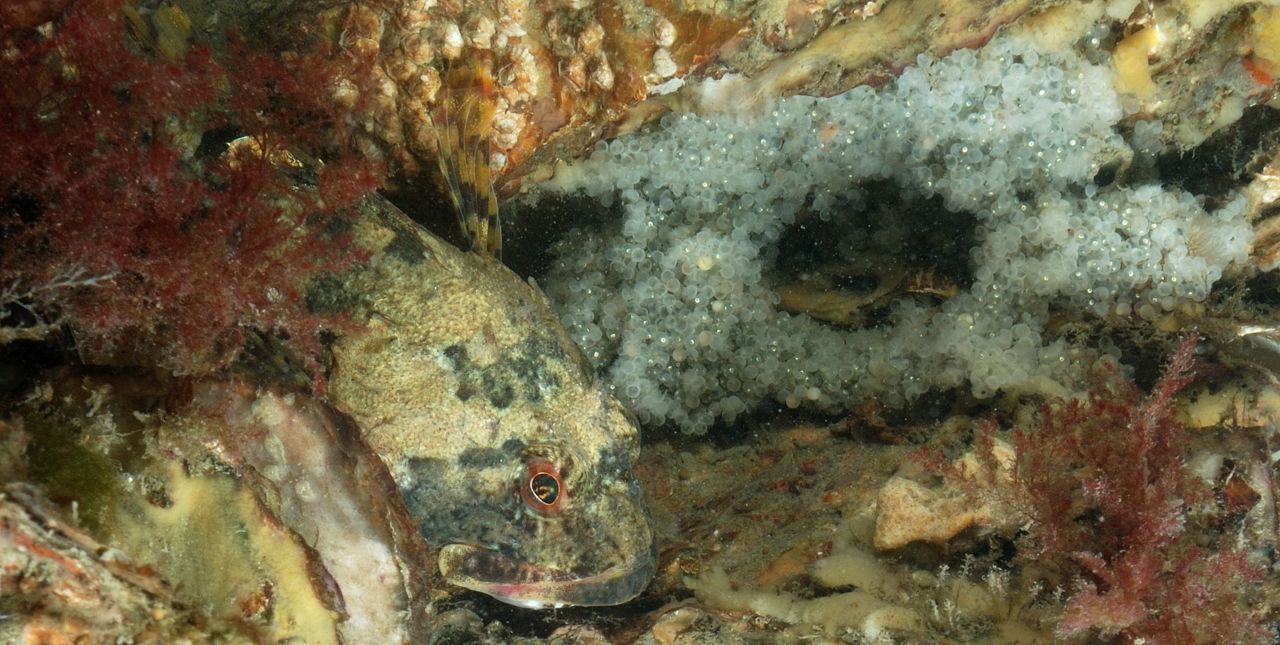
<point x="117" y="221"/>
<point x="1101" y="491"/>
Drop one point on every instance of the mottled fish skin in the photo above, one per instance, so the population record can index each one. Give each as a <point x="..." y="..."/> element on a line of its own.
<point x="468" y="387"/>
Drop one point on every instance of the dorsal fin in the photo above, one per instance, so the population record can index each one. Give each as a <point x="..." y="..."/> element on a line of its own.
<point x="463" y="121"/>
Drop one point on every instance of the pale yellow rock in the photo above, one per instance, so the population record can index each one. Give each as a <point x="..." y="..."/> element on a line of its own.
<point x="971" y="467"/>
<point x="908" y="511"/>
<point x="1266" y="33"/>
<point x="1207" y="408"/>
<point x="1239" y="404"/>
<point x="1133" y="74"/>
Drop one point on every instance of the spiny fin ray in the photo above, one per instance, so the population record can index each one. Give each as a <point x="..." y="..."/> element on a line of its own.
<point x="463" y="122"/>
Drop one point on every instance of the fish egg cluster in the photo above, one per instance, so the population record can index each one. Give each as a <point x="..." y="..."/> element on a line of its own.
<point x="673" y="302"/>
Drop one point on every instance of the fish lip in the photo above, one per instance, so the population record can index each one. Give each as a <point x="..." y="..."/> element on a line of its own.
<point x="466" y="566"/>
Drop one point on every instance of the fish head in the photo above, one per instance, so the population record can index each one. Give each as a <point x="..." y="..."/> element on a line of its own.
<point x="551" y="517"/>
<point x="510" y="455"/>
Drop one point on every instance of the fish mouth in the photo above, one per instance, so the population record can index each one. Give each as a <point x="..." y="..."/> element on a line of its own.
<point x="526" y="584"/>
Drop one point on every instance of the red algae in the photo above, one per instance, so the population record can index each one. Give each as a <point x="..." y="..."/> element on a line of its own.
<point x="121" y="217"/>
<point x="1103" y="497"/>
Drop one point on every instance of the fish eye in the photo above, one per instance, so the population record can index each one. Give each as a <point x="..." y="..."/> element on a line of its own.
<point x="545" y="487"/>
<point x="542" y="488"/>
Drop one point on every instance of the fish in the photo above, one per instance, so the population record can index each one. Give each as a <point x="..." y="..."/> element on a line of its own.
<point x="511" y="455"/>
<point x="463" y="124"/>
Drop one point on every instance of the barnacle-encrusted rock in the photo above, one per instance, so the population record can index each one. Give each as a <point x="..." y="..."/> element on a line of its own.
<point x="571" y="73"/>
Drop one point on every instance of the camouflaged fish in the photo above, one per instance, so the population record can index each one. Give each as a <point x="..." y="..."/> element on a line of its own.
<point x="511" y="456"/>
